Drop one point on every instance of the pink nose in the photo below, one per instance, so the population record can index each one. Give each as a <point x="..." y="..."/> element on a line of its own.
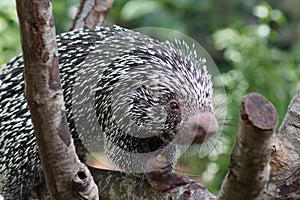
<point x="205" y="125"/>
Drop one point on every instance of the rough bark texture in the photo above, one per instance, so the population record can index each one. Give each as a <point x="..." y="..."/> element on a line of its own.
<point x="45" y="99"/>
<point x="284" y="180"/>
<point x="290" y="128"/>
<point x="91" y="13"/>
<point x="118" y="185"/>
<point x="249" y="168"/>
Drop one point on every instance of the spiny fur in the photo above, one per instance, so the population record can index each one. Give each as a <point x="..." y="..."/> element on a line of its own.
<point x="114" y="57"/>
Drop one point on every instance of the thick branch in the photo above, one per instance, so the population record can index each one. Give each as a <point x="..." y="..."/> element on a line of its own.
<point x="249" y="168"/>
<point x="45" y="99"/>
<point x="117" y="185"/>
<point x="284" y="180"/>
<point x="91" y="13"/>
<point x="290" y="128"/>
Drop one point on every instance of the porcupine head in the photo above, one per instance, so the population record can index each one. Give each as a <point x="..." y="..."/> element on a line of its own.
<point x="148" y="99"/>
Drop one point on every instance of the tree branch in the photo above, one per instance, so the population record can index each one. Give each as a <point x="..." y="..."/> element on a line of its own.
<point x="284" y="180"/>
<point x="91" y="13"/>
<point x="290" y="128"/>
<point x="118" y="185"/>
<point x="249" y="168"/>
<point x="44" y="95"/>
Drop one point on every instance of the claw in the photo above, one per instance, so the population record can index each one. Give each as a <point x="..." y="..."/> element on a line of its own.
<point x="160" y="174"/>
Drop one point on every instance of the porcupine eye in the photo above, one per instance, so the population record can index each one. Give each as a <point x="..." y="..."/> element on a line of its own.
<point x="173" y="108"/>
<point x="174" y="105"/>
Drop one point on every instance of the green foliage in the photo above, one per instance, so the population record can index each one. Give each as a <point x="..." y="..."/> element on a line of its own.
<point x="10" y="44"/>
<point x="257" y="64"/>
<point x="64" y="13"/>
<point x="254" y="43"/>
<point x="9" y="31"/>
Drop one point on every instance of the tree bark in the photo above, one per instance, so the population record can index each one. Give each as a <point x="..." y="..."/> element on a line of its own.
<point x="284" y="180"/>
<point x="117" y="185"/>
<point x="249" y="167"/>
<point x="91" y="13"/>
<point x="66" y="177"/>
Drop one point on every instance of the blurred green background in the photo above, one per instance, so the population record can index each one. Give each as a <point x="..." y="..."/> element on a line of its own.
<point x="255" y="45"/>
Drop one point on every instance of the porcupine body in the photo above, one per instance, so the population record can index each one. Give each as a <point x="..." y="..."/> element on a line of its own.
<point x="121" y="87"/>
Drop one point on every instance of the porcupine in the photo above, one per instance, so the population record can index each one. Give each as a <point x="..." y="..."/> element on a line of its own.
<point x="172" y="98"/>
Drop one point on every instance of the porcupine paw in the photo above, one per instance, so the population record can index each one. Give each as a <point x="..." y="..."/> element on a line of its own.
<point x="160" y="175"/>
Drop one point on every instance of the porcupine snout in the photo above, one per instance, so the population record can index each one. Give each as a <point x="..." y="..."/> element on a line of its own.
<point x="201" y="127"/>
